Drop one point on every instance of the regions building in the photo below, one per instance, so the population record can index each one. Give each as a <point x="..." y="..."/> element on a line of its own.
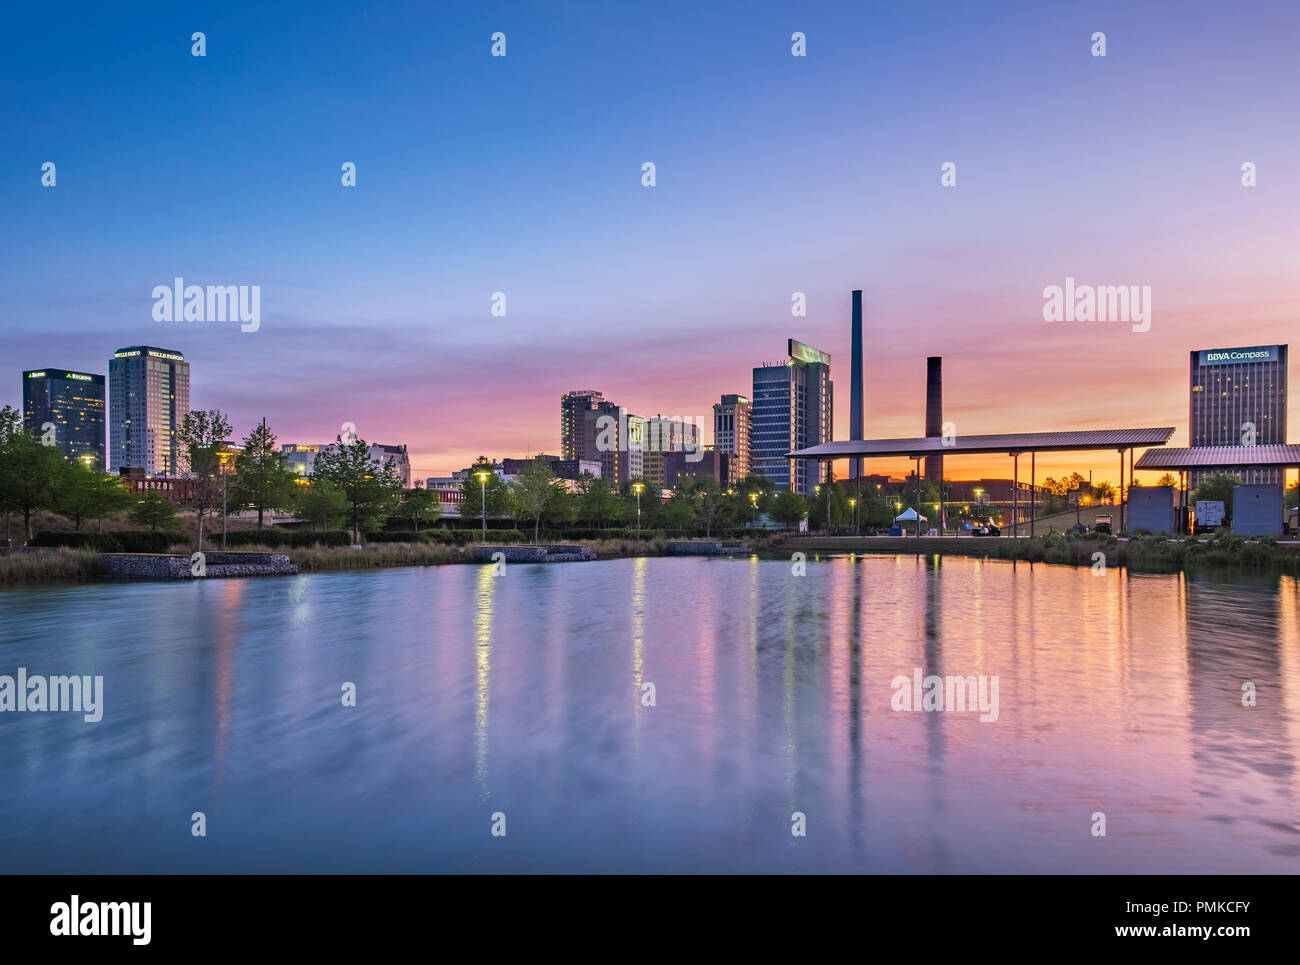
<point x="148" y="399"/>
<point x="732" y="424"/>
<point x="67" y="407"/>
<point x="792" y="409"/>
<point x="1238" y="398"/>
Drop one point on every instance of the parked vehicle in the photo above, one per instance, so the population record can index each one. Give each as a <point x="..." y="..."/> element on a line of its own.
<point x="1103" y="524"/>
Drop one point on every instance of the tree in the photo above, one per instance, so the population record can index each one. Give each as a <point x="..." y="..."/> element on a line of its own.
<point x="876" y="510"/>
<point x="649" y="500"/>
<point x="1218" y="488"/>
<point x="1168" y="479"/>
<point x="321" y="502"/>
<point x="1075" y="481"/>
<point x="597" y="501"/>
<point x="202" y="433"/>
<point x="1057" y="487"/>
<point x="262" y="480"/>
<point x="788" y="508"/>
<point x="154" y="510"/>
<point x="29" y="476"/>
<point x="840" y="512"/>
<point x="86" y="493"/>
<point x="370" y="487"/>
<point x="11" y="424"/>
<point x="1103" y="491"/>
<point x="490" y="496"/>
<point x="536" y="490"/>
<point x="713" y="503"/>
<point x="679" y="512"/>
<point x="420" y="505"/>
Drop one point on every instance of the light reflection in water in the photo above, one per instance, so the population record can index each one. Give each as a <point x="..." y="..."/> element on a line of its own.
<point x="1119" y="692"/>
<point x="483" y="672"/>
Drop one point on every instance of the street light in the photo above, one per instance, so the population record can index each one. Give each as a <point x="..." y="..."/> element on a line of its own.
<point x="482" y="488"/>
<point x="636" y="488"/>
<point x="753" y="499"/>
<point x="853" y="505"/>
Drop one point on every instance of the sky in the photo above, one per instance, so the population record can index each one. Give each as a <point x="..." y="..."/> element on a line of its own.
<point x="775" y="174"/>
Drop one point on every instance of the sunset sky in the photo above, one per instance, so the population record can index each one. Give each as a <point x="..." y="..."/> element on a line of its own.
<point x="775" y="174"/>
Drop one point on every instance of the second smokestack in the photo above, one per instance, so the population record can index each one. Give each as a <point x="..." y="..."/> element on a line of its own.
<point x="934" y="414"/>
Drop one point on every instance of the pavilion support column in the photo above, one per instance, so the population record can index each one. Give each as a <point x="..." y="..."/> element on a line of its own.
<point x="1015" y="492"/>
<point x="1121" y="490"/>
<point x="1033" y="494"/>
<point x="1130" y="476"/>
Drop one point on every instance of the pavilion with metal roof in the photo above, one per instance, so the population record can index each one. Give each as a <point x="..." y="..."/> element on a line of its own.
<point x="1231" y="459"/>
<point x="1014" y="444"/>
<point x="1222" y="457"/>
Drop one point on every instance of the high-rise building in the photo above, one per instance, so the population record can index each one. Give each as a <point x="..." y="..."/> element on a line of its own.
<point x="1238" y="398"/>
<point x="792" y="409"/>
<point x="732" y="424"/>
<point x="148" y="399"/>
<point x="665" y="436"/>
<point x="610" y="435"/>
<point x="68" y="408"/>
<point x="572" y="405"/>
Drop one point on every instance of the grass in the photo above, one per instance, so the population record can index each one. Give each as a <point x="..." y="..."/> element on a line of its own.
<point x="1147" y="552"/>
<point x="50" y="566"/>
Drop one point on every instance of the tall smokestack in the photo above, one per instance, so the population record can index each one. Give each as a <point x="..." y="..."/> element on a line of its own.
<point x="855" y="383"/>
<point x="934" y="414"/>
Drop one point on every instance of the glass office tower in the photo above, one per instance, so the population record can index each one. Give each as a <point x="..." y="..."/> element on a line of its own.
<point x="68" y="408"/>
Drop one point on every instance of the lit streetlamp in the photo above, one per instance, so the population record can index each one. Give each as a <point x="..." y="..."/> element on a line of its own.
<point x="753" y="500"/>
<point x="853" y="505"/>
<point x="636" y="488"/>
<point x="482" y="488"/>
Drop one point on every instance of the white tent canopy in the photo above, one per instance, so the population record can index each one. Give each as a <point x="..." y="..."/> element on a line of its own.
<point x="909" y="515"/>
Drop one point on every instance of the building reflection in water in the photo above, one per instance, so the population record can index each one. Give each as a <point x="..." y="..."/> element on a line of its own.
<point x="1240" y="769"/>
<point x="637" y="601"/>
<point x="484" y="597"/>
<point x="227" y="616"/>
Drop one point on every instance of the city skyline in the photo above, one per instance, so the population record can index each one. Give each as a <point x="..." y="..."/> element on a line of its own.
<point x="1117" y="170"/>
<point x="898" y="468"/>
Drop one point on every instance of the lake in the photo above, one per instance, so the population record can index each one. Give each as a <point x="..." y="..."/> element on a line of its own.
<point x="519" y="701"/>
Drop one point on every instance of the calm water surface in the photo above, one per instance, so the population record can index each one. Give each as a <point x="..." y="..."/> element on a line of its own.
<point x="522" y="694"/>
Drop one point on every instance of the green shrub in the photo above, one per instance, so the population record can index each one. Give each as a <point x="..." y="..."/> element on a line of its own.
<point x="124" y="541"/>
<point x="281" y="538"/>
